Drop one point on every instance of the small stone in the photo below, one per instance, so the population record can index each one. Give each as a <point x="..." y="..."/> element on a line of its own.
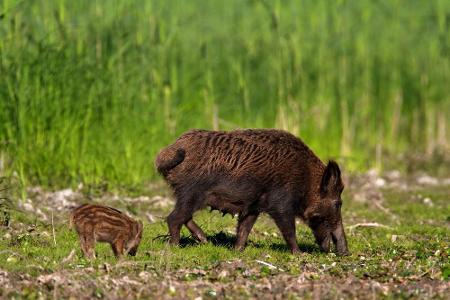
<point x="372" y="173"/>
<point x="427" y="180"/>
<point x="28" y="206"/>
<point x="12" y="259"/>
<point x="41" y="215"/>
<point x="45" y="234"/>
<point x="223" y="274"/>
<point x="393" y="238"/>
<point x="393" y="175"/>
<point x="7" y="236"/>
<point x="427" y="201"/>
<point x="380" y="182"/>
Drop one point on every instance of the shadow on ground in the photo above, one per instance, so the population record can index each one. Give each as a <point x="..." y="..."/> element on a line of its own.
<point x="222" y="239"/>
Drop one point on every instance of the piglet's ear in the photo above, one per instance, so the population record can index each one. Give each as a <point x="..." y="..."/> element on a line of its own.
<point x="331" y="179"/>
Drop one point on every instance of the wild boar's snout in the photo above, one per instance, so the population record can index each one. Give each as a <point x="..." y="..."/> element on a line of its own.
<point x="325" y="244"/>
<point x="340" y="241"/>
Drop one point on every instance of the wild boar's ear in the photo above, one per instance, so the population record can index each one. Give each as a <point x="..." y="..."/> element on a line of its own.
<point x="331" y="178"/>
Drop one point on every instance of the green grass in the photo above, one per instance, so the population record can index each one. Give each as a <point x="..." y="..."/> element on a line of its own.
<point x="404" y="258"/>
<point x="91" y="90"/>
<point x="37" y="254"/>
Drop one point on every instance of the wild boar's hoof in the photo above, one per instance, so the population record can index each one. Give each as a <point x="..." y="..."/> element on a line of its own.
<point x="174" y="242"/>
<point x="343" y="253"/>
<point x="295" y="251"/>
<point x="239" y="248"/>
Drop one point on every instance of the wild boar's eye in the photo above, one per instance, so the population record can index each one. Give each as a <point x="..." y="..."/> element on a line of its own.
<point x="315" y="222"/>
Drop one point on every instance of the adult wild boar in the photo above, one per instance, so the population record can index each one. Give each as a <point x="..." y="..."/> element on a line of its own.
<point x="248" y="172"/>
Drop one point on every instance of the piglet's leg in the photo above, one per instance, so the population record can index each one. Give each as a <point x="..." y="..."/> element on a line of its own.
<point x="88" y="245"/>
<point x="114" y="249"/>
<point x="83" y="246"/>
<point x="118" y="246"/>
<point x="245" y="225"/>
<point x="196" y="231"/>
<point x="286" y="224"/>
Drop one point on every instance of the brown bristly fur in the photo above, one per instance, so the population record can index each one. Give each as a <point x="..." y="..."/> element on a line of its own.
<point x="248" y="172"/>
<point x="98" y="223"/>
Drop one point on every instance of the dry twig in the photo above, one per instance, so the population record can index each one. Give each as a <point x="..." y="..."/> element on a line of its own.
<point x="268" y="265"/>
<point x="69" y="257"/>
<point x="371" y="224"/>
<point x="53" y="230"/>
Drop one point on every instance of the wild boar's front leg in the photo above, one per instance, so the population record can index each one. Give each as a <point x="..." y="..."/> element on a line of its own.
<point x="245" y="224"/>
<point x="87" y="242"/>
<point x="286" y="224"/>
<point x="118" y="246"/>
<point x="196" y="231"/>
<point x="87" y="246"/>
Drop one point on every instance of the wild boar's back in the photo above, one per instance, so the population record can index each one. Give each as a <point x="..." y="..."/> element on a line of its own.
<point x="266" y="157"/>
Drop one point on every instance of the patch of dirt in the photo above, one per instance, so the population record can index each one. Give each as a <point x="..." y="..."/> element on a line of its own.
<point x="230" y="279"/>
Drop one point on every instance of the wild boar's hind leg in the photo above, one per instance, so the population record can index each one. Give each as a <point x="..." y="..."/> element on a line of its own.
<point x="245" y="225"/>
<point x="286" y="224"/>
<point x="182" y="213"/>
<point x="196" y="231"/>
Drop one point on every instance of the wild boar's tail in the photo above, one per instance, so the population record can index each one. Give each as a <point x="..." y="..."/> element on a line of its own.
<point x="168" y="159"/>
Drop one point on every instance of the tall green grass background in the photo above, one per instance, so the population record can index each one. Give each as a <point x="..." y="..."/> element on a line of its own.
<point x="91" y="90"/>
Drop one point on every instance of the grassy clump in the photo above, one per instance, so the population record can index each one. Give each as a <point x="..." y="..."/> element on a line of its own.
<point x="91" y="90"/>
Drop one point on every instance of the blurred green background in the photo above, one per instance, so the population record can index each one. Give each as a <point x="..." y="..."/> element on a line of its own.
<point x="91" y="90"/>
